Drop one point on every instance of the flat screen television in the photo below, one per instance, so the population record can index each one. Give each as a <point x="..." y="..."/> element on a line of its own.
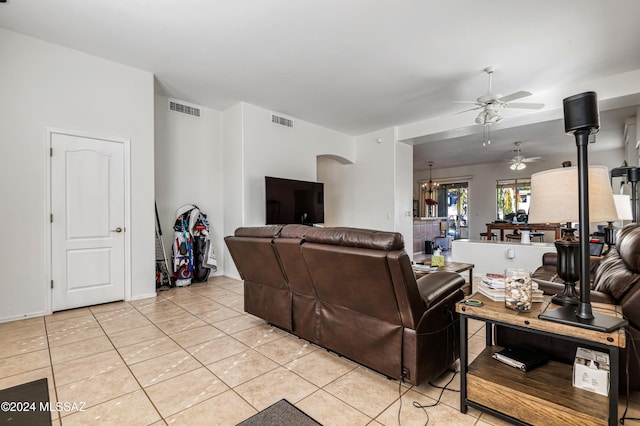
<point x="293" y="201"/>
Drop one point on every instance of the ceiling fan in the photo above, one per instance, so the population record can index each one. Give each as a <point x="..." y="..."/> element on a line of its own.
<point x="518" y="161"/>
<point x="491" y="102"/>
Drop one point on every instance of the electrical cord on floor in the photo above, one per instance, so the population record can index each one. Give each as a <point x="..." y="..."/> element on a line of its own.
<point x="635" y="352"/>
<point x="416" y="404"/>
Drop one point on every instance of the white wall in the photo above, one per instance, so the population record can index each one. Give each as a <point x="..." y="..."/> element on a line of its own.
<point x="482" y="186"/>
<point x="274" y="150"/>
<point x="254" y="147"/>
<point x="46" y="85"/>
<point x="188" y="158"/>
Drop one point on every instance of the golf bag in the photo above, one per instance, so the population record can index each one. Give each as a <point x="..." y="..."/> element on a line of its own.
<point x="193" y="257"/>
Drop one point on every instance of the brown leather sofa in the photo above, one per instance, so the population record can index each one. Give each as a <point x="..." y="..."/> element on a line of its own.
<point x="351" y="291"/>
<point x="616" y="280"/>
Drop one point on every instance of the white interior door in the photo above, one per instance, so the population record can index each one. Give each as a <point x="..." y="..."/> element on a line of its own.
<point x="87" y="229"/>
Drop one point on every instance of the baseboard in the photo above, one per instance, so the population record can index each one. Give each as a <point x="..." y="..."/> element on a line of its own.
<point x="25" y="316"/>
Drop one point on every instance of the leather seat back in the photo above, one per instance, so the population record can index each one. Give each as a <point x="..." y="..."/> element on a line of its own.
<point x="267" y="294"/>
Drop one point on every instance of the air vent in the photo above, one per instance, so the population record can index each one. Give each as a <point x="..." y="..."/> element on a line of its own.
<point x="184" y="109"/>
<point x="281" y="120"/>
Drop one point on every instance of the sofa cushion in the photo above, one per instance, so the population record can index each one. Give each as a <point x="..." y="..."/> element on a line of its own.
<point x="354" y="237"/>
<point x="613" y="277"/>
<point x="628" y="246"/>
<point x="259" y="231"/>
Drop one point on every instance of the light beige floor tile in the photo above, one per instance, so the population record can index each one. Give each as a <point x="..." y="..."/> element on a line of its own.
<point x="441" y="414"/>
<point x="22" y="363"/>
<point x="217" y="349"/>
<point x="234" y="302"/>
<point x="185" y="391"/>
<point x="271" y="387"/>
<point x="321" y="367"/>
<point x="14" y="333"/>
<point x="139" y="303"/>
<point x="449" y="397"/>
<point x="329" y="410"/>
<point x="130" y="409"/>
<point x="65" y="337"/>
<point x="98" y="309"/>
<point x="260" y="335"/>
<point x="365" y="390"/>
<point x="126" y="319"/>
<point x="180" y="324"/>
<point x="62" y="315"/>
<point x="171" y="312"/>
<point x="185" y="298"/>
<point x="13" y="325"/>
<point x="146" y="350"/>
<point x="285" y="349"/>
<point x="197" y="335"/>
<point x="87" y="367"/>
<point x="214" y="292"/>
<point x="241" y="367"/>
<point x="236" y="324"/>
<point x="23" y="346"/>
<point x="99" y="388"/>
<point x="80" y="349"/>
<point x="203" y="306"/>
<point x="488" y="419"/>
<point x="218" y="315"/>
<point x="164" y="367"/>
<point x="153" y="305"/>
<point x="228" y="409"/>
<point x="476" y="344"/>
<point x="28" y="376"/>
<point x="137" y="335"/>
<point x="72" y="323"/>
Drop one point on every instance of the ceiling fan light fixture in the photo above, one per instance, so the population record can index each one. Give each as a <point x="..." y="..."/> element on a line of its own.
<point x="518" y="166"/>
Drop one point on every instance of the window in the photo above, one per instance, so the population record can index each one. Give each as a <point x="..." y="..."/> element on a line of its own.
<point x="514" y="198"/>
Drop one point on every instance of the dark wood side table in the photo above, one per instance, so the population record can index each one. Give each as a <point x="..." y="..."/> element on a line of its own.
<point x="545" y="395"/>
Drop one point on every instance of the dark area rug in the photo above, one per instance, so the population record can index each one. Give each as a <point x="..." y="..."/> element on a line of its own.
<point x="282" y="413"/>
<point x="26" y="404"/>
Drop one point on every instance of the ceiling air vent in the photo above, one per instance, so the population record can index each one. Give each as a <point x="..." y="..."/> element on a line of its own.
<point x="184" y="109"/>
<point x="281" y="120"/>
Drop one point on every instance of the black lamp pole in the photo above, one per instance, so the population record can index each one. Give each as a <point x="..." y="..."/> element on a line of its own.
<point x="582" y="140"/>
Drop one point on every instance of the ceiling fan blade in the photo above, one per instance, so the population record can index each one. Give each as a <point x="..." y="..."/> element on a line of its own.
<point x="514" y="96"/>
<point x="524" y="105"/>
<point x="467" y="110"/>
<point x="531" y="159"/>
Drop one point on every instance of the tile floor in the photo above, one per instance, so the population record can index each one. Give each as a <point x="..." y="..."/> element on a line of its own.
<point x="192" y="356"/>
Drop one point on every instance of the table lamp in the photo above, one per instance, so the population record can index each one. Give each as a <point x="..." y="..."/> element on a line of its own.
<point x="623" y="208"/>
<point x="554" y="198"/>
<point x="581" y="119"/>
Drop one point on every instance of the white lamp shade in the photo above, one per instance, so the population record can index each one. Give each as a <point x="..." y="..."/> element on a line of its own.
<point x="554" y="196"/>
<point x="623" y="206"/>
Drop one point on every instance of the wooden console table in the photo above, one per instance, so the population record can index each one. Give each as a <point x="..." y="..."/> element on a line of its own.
<point x="534" y="227"/>
<point x="545" y="395"/>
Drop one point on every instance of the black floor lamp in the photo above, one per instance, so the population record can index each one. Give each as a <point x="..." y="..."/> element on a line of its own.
<point x="581" y="118"/>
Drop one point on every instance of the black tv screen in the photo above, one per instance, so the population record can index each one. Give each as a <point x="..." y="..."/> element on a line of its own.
<point x="293" y="201"/>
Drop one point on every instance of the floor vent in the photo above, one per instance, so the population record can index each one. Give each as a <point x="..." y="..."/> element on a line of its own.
<point x="281" y="120"/>
<point x="184" y="109"/>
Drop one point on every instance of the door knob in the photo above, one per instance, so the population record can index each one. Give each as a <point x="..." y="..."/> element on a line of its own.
<point x="118" y="229"/>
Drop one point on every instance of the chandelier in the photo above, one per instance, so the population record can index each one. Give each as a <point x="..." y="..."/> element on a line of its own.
<point x="429" y="189"/>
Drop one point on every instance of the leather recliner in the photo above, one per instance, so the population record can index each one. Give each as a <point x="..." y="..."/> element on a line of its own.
<point x="353" y="291"/>
<point x="616" y="280"/>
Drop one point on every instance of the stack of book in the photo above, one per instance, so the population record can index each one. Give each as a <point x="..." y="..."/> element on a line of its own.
<point x="492" y="286"/>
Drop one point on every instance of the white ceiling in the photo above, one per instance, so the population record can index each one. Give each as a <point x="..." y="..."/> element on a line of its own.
<point x="354" y="66"/>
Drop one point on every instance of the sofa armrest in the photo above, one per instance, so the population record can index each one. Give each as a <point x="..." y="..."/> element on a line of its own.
<point x="436" y="286"/>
